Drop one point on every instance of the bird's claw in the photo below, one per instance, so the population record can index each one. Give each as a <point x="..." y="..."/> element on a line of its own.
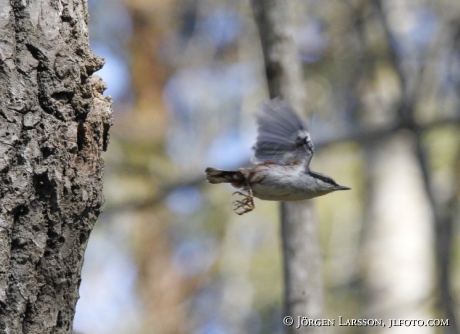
<point x="246" y="204"/>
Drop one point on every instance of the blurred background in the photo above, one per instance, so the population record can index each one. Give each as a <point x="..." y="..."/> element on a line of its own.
<point x="382" y="79"/>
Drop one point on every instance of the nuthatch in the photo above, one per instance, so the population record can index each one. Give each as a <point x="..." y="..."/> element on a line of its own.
<point x="283" y="152"/>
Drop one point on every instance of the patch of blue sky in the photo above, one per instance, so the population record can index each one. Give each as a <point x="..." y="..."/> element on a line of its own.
<point x="229" y="150"/>
<point x="220" y="27"/>
<point x="115" y="72"/>
<point x="184" y="200"/>
<point x="195" y="255"/>
<point x="107" y="290"/>
<point x="206" y="105"/>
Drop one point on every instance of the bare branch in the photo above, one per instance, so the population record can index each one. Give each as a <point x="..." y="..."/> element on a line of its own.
<point x="364" y="135"/>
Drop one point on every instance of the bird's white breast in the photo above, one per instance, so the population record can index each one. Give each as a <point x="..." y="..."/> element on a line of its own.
<point x="282" y="183"/>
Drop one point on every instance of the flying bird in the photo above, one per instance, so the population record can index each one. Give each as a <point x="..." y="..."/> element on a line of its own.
<point x="281" y="170"/>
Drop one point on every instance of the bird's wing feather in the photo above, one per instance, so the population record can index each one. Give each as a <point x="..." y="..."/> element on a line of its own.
<point x="283" y="137"/>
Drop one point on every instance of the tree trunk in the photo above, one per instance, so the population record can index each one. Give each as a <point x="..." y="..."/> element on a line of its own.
<point x="303" y="288"/>
<point x="54" y="126"/>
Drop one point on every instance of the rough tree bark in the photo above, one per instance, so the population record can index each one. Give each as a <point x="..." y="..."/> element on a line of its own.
<point x="54" y="126"/>
<point x="301" y="249"/>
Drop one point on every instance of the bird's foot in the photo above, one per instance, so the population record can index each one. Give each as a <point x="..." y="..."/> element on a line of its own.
<point x="246" y="204"/>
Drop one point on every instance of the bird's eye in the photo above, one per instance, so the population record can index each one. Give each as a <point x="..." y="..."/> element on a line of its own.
<point x="333" y="182"/>
<point x="330" y="181"/>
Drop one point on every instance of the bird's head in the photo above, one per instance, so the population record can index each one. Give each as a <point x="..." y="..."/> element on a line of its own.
<point x="326" y="184"/>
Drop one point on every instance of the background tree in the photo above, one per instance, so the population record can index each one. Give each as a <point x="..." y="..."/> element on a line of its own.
<point x="54" y="125"/>
<point x="303" y="284"/>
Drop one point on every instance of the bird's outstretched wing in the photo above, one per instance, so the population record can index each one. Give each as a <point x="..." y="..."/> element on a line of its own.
<point x="283" y="137"/>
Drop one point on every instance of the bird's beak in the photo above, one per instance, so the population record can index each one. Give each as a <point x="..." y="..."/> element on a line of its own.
<point x="342" y="188"/>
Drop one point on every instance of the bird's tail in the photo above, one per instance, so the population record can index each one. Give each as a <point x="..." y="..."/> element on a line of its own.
<point x="236" y="178"/>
